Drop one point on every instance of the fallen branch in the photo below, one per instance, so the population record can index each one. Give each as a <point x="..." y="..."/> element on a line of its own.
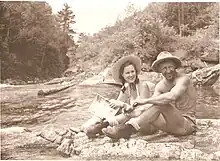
<point x="53" y="90"/>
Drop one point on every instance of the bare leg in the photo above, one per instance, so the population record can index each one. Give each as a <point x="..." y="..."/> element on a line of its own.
<point x="166" y="118"/>
<point x="121" y="119"/>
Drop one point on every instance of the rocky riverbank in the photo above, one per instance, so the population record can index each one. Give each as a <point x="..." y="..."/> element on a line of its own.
<point x="26" y="116"/>
<point x="203" y="145"/>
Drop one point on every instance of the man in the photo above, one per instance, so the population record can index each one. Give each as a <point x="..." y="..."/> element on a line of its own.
<point x="170" y="109"/>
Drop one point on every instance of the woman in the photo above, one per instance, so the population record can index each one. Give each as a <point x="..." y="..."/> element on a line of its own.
<point x="126" y="72"/>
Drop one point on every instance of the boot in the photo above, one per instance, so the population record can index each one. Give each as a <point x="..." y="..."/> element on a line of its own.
<point x="96" y="129"/>
<point x="120" y="131"/>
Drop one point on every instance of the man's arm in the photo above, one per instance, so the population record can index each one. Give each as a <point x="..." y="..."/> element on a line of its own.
<point x="172" y="95"/>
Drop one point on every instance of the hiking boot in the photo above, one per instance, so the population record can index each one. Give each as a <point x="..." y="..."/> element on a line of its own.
<point x="95" y="129"/>
<point x="120" y="131"/>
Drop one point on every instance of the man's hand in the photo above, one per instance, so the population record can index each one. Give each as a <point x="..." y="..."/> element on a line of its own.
<point x="139" y="101"/>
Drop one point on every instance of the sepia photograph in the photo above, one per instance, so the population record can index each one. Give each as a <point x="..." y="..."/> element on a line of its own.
<point x="110" y="80"/>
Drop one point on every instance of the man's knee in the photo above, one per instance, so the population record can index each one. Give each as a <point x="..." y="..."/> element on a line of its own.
<point x="187" y="128"/>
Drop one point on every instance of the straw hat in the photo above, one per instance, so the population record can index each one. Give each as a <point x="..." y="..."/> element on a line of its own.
<point x="165" y="56"/>
<point x="116" y="67"/>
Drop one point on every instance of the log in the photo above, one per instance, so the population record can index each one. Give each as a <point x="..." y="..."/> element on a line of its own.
<point x="53" y="90"/>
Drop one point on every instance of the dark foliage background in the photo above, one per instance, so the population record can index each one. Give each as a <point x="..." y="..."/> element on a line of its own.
<point x="33" y="41"/>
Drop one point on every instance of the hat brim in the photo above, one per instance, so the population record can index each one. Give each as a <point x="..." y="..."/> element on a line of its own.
<point x="156" y="63"/>
<point x="116" y="67"/>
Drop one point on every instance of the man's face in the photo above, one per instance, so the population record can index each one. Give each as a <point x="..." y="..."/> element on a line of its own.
<point x="129" y="74"/>
<point x="168" y="69"/>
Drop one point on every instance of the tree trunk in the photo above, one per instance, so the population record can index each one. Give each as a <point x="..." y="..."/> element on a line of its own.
<point x="182" y="17"/>
<point x="182" y="13"/>
<point x="179" y="18"/>
<point x="42" y="59"/>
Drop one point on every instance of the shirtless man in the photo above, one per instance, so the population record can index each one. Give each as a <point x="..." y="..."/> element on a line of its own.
<point x="170" y="109"/>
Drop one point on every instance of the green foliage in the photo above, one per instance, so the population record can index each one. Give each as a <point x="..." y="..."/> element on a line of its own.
<point x="147" y="33"/>
<point x="187" y="17"/>
<point x="66" y="17"/>
<point x="33" y="44"/>
<point x="143" y="33"/>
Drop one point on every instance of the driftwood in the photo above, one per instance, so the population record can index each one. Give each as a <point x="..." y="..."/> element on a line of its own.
<point x="53" y="90"/>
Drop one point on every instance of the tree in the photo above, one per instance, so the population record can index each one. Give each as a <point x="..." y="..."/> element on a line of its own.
<point x="66" y="18"/>
<point x="32" y="42"/>
<point x="186" y="17"/>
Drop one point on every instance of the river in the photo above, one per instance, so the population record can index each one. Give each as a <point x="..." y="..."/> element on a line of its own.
<point x="20" y="106"/>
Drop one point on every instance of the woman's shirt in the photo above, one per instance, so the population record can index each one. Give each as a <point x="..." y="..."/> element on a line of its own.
<point x="131" y="92"/>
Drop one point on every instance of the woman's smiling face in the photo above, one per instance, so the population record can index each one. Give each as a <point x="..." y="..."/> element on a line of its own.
<point x="129" y="74"/>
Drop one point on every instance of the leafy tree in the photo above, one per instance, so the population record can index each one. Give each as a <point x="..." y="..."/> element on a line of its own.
<point x="66" y="17"/>
<point x="148" y="32"/>
<point x="186" y="17"/>
<point x="33" y="44"/>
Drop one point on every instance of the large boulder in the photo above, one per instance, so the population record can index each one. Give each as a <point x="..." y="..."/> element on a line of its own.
<point x="216" y="86"/>
<point x="206" y="76"/>
<point x="210" y="57"/>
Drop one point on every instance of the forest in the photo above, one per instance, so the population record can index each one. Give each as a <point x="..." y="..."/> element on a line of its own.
<point x="34" y="41"/>
<point x="38" y="45"/>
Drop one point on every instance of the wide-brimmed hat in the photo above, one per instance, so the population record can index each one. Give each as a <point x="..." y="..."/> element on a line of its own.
<point x="116" y="67"/>
<point x="165" y="56"/>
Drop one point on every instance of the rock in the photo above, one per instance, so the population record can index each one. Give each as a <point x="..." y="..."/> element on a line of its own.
<point x="55" y="81"/>
<point x="107" y="77"/>
<point x="15" y="140"/>
<point x="152" y="77"/>
<point x="194" y="63"/>
<point x="217" y="155"/>
<point x="12" y="130"/>
<point x="204" y="145"/>
<point x="66" y="148"/>
<point x="93" y="80"/>
<point x="206" y="76"/>
<point x="182" y="54"/>
<point x="210" y="56"/>
<point x="216" y="86"/>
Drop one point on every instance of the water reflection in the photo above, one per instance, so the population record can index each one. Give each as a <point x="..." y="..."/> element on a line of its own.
<point x="207" y="104"/>
<point x="82" y="96"/>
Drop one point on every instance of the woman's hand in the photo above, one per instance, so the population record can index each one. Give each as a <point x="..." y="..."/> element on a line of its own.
<point x="128" y="109"/>
<point x="116" y="103"/>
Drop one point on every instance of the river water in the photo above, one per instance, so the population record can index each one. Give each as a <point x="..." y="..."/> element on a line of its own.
<point x="17" y="111"/>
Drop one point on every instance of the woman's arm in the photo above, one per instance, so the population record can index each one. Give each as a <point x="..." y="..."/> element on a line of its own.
<point x="120" y="101"/>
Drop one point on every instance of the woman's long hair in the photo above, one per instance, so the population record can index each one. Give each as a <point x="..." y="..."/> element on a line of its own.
<point x="121" y="70"/>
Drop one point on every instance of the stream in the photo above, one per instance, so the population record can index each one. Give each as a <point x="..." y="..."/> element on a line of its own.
<point x="20" y="106"/>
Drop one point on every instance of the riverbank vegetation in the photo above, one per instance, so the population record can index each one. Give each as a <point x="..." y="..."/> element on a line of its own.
<point x="35" y="43"/>
<point x="188" y="27"/>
